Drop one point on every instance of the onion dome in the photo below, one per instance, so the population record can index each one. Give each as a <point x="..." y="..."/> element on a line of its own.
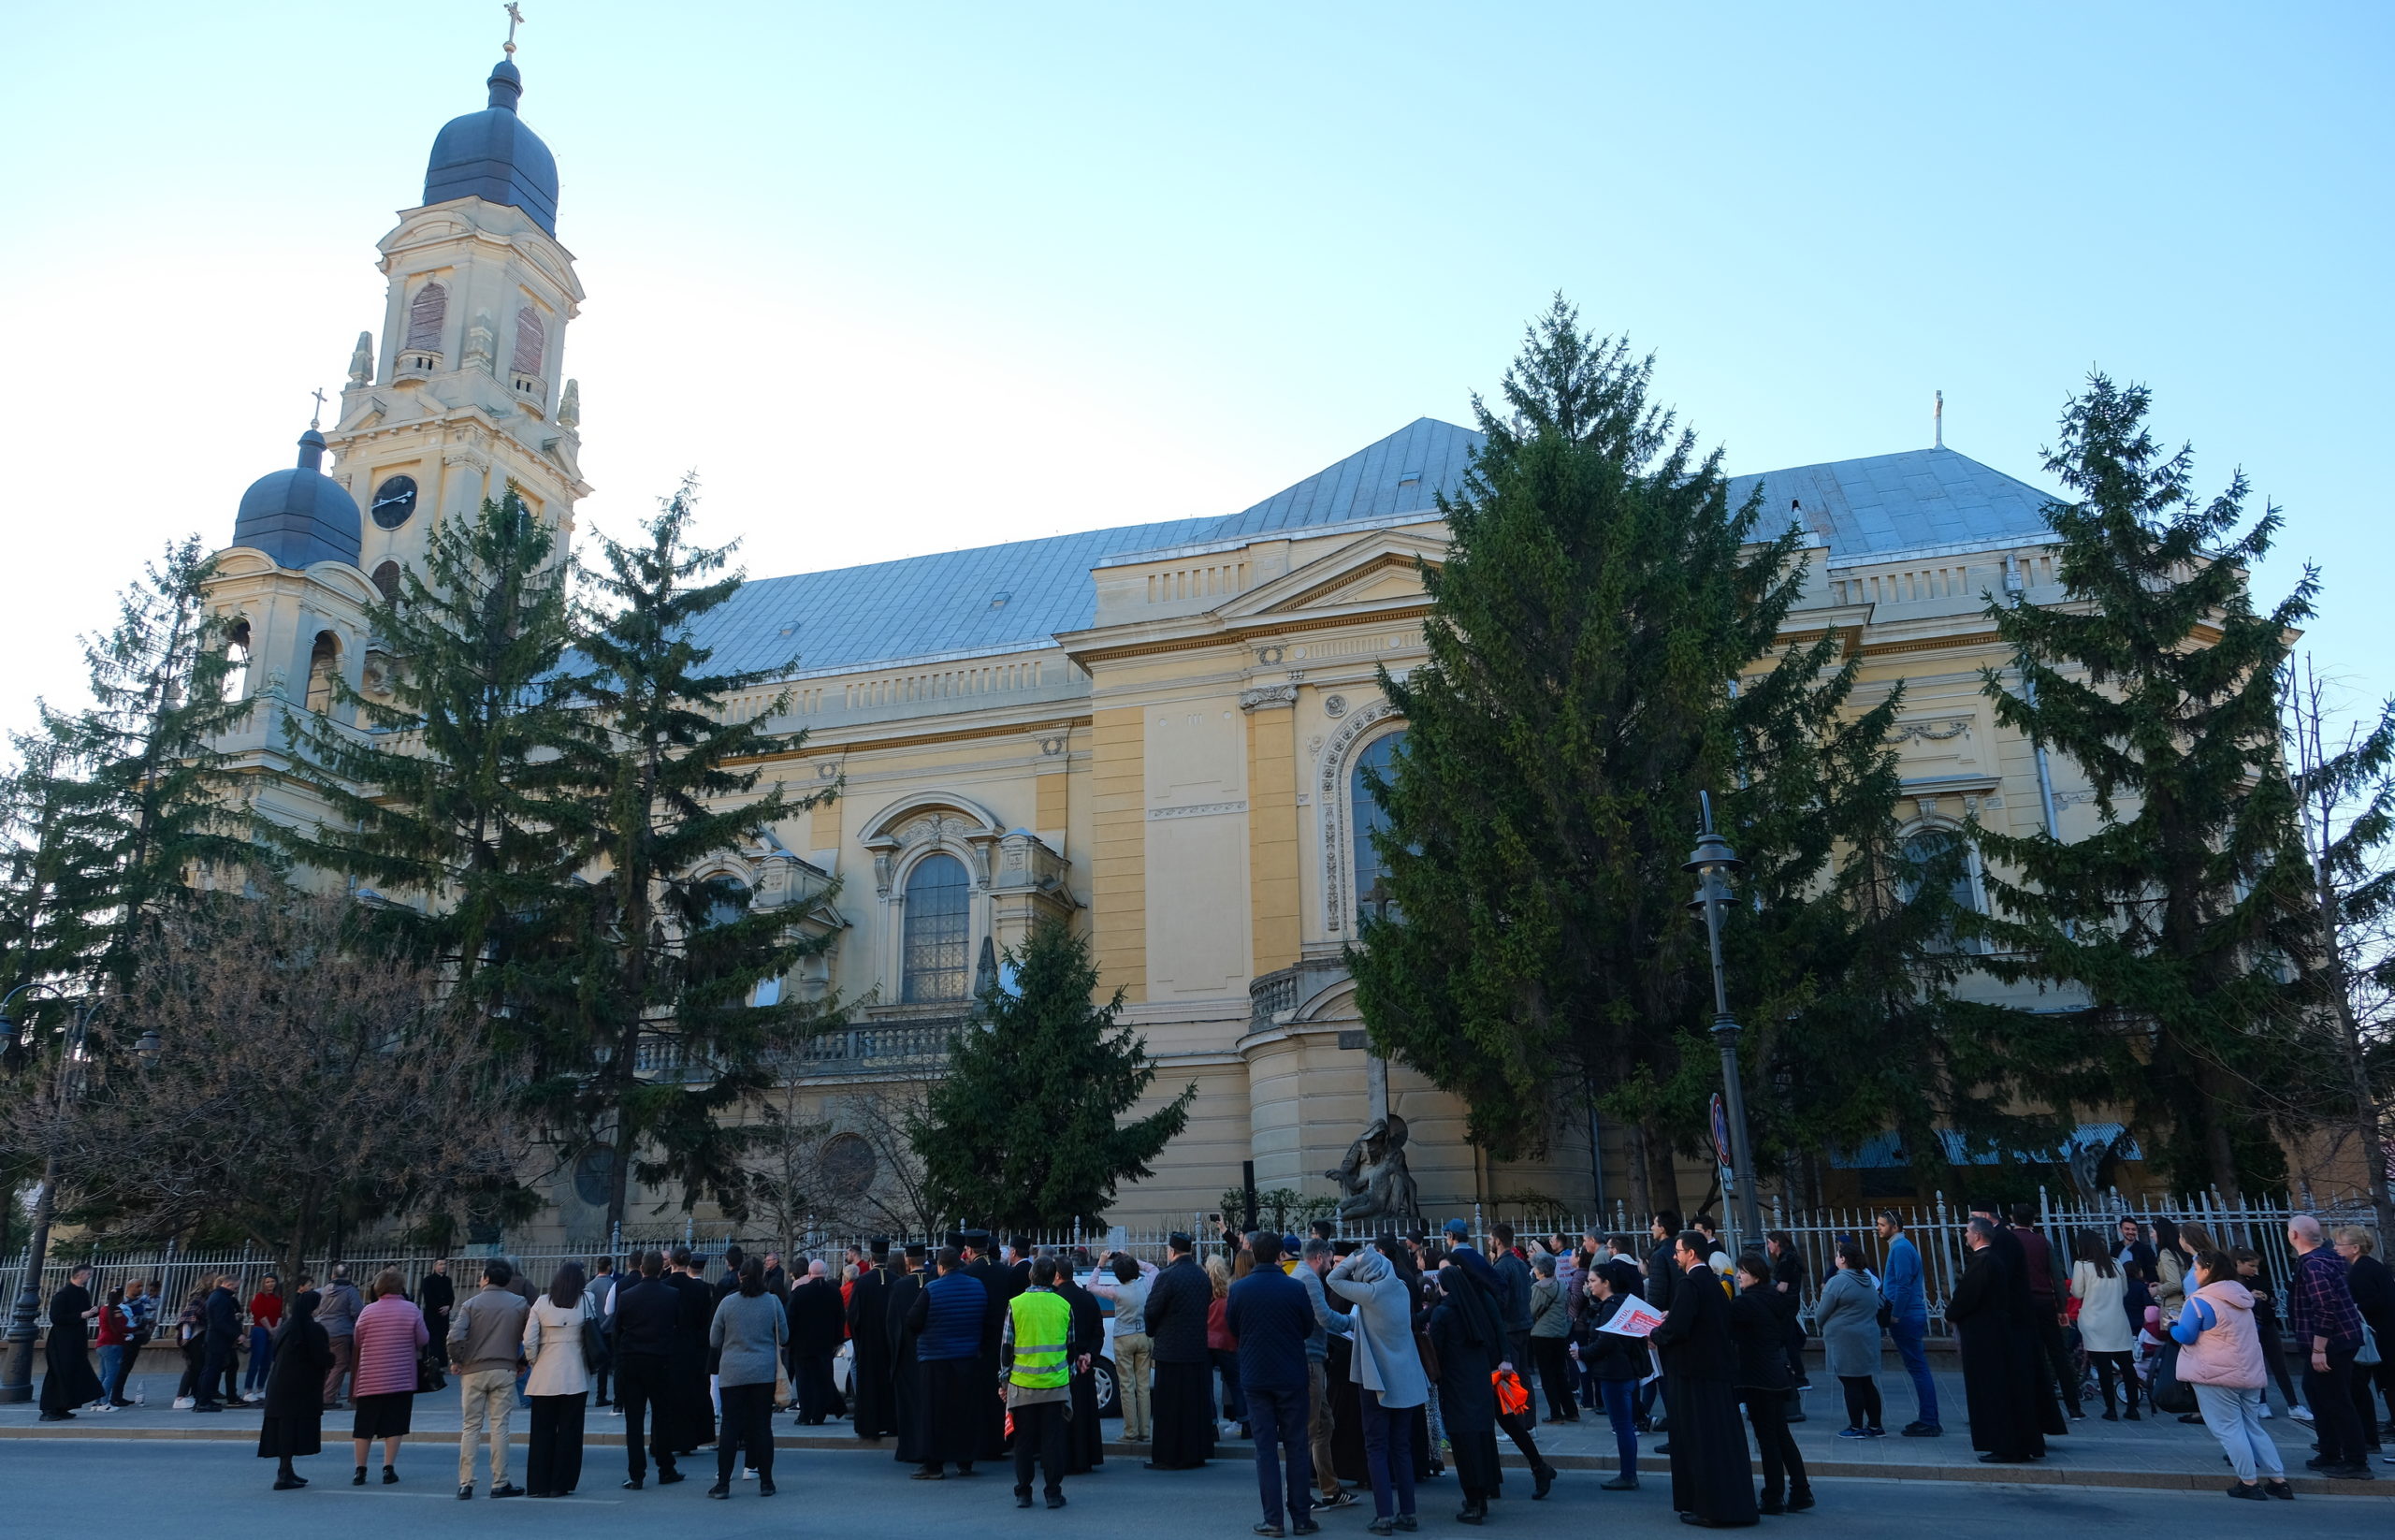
<point x="300" y="516"/>
<point x="491" y="155"/>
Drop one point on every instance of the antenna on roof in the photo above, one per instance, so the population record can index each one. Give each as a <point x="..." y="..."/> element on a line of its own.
<point x="1937" y="422"/>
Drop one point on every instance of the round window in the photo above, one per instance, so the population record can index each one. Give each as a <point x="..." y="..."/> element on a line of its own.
<point x="849" y="1166"/>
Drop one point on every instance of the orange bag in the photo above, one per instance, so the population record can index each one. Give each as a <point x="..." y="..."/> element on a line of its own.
<point x="1513" y="1396"/>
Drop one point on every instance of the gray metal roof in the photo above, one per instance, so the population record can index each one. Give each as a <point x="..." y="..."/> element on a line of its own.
<point x="1017" y="596"/>
<point x="300" y="517"/>
<point x="490" y="154"/>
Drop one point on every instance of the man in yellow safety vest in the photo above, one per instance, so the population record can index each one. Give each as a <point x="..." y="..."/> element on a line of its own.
<point x="1041" y="1358"/>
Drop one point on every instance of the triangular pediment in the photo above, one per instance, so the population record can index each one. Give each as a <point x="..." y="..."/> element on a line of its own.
<point x="1376" y="570"/>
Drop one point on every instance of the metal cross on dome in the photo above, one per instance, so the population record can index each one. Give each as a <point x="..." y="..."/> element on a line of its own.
<point x="314" y="417"/>
<point x="514" y="20"/>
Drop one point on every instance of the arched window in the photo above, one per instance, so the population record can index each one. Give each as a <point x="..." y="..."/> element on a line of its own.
<point x="386" y="580"/>
<point x="428" y="312"/>
<point x="1365" y="817"/>
<point x="1936" y="850"/>
<point x="324" y="663"/>
<point x="933" y="962"/>
<point x="532" y="341"/>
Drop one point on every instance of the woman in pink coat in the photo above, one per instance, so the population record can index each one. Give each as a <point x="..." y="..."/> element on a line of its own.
<point x="389" y="1333"/>
<point x="2220" y="1357"/>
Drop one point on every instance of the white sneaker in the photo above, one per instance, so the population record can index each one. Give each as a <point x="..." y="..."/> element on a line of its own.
<point x="748" y="1473"/>
<point x="615" y="1411"/>
<point x="184" y="1403"/>
<point x="2266" y="1413"/>
<point x="253" y="1397"/>
<point x="2300" y="1414"/>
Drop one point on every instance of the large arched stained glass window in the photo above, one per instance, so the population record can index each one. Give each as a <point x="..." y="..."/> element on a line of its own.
<point x="1364" y="815"/>
<point x="934" y="966"/>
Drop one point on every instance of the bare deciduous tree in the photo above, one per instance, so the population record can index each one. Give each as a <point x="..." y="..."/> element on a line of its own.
<point x="299" y="1084"/>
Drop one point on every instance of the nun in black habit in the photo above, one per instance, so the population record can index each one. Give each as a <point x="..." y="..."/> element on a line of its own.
<point x="294" y="1388"/>
<point x="1469" y="1339"/>
<point x="1713" y="1482"/>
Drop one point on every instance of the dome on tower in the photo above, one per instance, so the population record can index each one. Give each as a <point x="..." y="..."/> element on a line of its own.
<point x="300" y="516"/>
<point x="490" y="154"/>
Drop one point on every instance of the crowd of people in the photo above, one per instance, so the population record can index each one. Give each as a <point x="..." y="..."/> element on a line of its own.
<point x="1352" y="1366"/>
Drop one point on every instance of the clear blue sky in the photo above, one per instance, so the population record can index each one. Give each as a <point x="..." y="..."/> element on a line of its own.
<point x="895" y="278"/>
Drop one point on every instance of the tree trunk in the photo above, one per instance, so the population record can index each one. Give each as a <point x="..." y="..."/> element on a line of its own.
<point x="1663" y="1172"/>
<point x="1642" y="1195"/>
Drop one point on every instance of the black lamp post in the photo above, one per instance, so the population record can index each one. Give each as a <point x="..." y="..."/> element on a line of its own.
<point x="17" y="1378"/>
<point x="1713" y="863"/>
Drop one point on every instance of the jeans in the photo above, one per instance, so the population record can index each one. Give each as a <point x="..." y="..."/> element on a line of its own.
<point x="747" y="1427"/>
<point x="1621" y="1410"/>
<point x="1278" y="1416"/>
<point x="486" y="1397"/>
<point x="1234" y="1400"/>
<point x="1319" y="1426"/>
<point x="1388" y="1453"/>
<point x="2329" y="1393"/>
<point x="1909" y="1332"/>
<point x="261" y="1358"/>
<point x="111" y="1366"/>
<point x="1134" y="1362"/>
<point x="2235" y="1415"/>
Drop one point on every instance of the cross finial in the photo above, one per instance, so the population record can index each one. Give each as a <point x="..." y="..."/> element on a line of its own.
<point x="514" y="20"/>
<point x="314" y="418"/>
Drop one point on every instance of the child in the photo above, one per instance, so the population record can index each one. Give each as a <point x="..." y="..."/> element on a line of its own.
<point x="2266" y="1328"/>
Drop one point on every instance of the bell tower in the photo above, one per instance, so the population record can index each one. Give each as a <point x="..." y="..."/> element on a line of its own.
<point x="466" y="393"/>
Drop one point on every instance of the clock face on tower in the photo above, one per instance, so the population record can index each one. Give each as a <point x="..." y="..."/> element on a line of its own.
<point x="394" y="500"/>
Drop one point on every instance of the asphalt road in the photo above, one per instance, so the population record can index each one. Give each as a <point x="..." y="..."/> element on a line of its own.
<point x="221" y="1492"/>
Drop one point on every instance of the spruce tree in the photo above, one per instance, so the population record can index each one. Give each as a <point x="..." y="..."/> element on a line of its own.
<point x="1025" y="1130"/>
<point x="2182" y="920"/>
<point x="448" y="797"/>
<point x="1604" y="645"/>
<point x="665" y="774"/>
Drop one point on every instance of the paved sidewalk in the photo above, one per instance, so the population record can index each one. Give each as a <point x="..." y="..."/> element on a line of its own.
<point x="2159" y="1452"/>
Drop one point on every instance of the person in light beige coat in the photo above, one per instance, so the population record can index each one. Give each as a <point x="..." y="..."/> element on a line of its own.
<point x="558" y="1385"/>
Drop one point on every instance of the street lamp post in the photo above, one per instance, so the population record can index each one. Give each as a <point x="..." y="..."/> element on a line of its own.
<point x="1712" y="864"/>
<point x="17" y="1379"/>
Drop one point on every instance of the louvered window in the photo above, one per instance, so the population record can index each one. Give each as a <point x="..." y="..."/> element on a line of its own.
<point x="428" y="312"/>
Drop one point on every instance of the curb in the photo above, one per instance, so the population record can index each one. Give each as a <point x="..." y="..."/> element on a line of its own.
<point x="1830" y="1470"/>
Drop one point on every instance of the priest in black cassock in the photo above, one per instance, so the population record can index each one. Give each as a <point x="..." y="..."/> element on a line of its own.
<point x="1713" y="1482"/>
<point x="1177" y="1298"/>
<point x="1084" y="1435"/>
<point x="69" y="1381"/>
<point x="999" y="1284"/>
<point x="875" y="1408"/>
<point x="907" y="1394"/>
<point x="686" y="1359"/>
<point x="2001" y="1375"/>
<point x="2029" y="1344"/>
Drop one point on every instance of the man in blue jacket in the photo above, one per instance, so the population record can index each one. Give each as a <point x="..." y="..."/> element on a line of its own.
<point x="947" y="1318"/>
<point x="1907" y="1312"/>
<point x="1273" y="1315"/>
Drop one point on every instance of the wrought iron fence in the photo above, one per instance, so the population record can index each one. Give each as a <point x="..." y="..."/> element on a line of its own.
<point x="1935" y="1229"/>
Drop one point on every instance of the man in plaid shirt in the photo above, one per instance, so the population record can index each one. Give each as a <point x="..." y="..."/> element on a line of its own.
<point x="2320" y="1313"/>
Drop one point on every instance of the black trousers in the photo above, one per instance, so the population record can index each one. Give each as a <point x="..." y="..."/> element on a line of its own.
<point x="2330" y="1396"/>
<point x="1783" y="1467"/>
<point x="748" y="1424"/>
<point x="216" y="1376"/>
<point x="1518" y="1430"/>
<point x="553" y="1461"/>
<point x="817" y="1397"/>
<point x="2110" y="1364"/>
<point x="1862" y="1401"/>
<point x="2266" y="1331"/>
<point x="1555" y="1377"/>
<point x="1039" y="1436"/>
<point x="2057" y="1355"/>
<point x="644" y="1386"/>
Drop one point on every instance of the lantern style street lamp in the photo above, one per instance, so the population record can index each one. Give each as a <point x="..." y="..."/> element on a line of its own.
<point x="1713" y="863"/>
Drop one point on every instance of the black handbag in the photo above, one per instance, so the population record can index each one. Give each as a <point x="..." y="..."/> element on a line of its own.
<point x="594" y="1345"/>
<point x="2169" y="1393"/>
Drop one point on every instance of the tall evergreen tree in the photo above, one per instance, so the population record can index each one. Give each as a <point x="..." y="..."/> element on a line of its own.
<point x="1603" y="645"/>
<point x="1025" y="1130"/>
<point x="666" y="775"/>
<point x="2184" y="917"/>
<point x="451" y="802"/>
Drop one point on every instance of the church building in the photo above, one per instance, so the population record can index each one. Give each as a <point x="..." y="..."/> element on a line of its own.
<point x="1157" y="731"/>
